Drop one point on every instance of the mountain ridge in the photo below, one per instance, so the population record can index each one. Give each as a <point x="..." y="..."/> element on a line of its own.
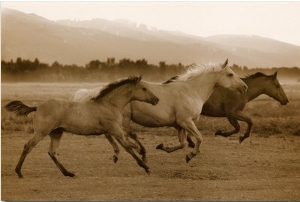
<point x="31" y="36"/>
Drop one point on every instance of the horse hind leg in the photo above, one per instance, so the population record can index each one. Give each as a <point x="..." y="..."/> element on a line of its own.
<point x="54" y="144"/>
<point x="27" y="149"/>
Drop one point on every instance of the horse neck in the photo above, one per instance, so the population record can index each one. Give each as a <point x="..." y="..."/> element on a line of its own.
<point x="120" y="96"/>
<point x="204" y="85"/>
<point x="256" y="87"/>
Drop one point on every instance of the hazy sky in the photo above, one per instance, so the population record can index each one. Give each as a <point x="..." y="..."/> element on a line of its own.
<point x="276" y="20"/>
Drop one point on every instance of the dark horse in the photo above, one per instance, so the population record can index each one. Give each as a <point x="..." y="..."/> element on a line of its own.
<point x="226" y="103"/>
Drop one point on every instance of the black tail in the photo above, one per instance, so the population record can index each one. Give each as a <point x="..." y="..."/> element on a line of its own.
<point x="19" y="108"/>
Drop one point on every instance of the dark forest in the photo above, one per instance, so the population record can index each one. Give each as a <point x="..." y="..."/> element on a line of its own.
<point x="24" y="70"/>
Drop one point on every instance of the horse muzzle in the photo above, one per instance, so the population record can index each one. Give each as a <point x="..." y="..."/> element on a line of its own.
<point x="284" y="102"/>
<point x="243" y="89"/>
<point x="154" y="101"/>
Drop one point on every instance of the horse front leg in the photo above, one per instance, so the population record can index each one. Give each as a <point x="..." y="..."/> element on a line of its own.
<point x="119" y="135"/>
<point x="233" y="121"/>
<point x="181" y="138"/>
<point x="241" y="117"/>
<point x="115" y="146"/>
<point x="190" y="127"/>
<point x="190" y="141"/>
<point x="142" y="149"/>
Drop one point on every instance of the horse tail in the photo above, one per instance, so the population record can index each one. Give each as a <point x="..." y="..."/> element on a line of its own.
<point x="19" y="108"/>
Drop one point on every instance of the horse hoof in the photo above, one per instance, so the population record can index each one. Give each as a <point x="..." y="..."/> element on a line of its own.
<point x="187" y="158"/>
<point x="115" y="159"/>
<point x="241" y="139"/>
<point x="148" y="171"/>
<point x="191" y="145"/>
<point x="219" y="132"/>
<point x="19" y="174"/>
<point x="69" y="174"/>
<point x="160" y="146"/>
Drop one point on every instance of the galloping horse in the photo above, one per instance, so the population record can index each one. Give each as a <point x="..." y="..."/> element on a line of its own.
<point x="100" y="115"/>
<point x="225" y="103"/>
<point x="181" y="102"/>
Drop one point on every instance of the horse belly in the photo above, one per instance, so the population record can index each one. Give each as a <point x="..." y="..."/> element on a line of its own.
<point x="86" y="120"/>
<point x="212" y="109"/>
<point x="83" y="126"/>
<point x="152" y="116"/>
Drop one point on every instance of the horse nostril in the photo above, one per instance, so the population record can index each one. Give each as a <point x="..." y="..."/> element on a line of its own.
<point x="245" y="87"/>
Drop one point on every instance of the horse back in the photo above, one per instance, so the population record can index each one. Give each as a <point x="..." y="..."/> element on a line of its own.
<point x="83" y="118"/>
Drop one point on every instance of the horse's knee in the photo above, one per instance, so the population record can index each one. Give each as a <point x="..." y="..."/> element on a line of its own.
<point x="250" y="123"/>
<point x="182" y="145"/>
<point x="199" y="138"/>
<point x="132" y="135"/>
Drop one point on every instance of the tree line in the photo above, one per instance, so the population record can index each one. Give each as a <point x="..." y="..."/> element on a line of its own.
<point x="25" y="70"/>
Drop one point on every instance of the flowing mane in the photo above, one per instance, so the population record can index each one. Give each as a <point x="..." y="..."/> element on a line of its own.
<point x="193" y="71"/>
<point x="256" y="75"/>
<point x="111" y="86"/>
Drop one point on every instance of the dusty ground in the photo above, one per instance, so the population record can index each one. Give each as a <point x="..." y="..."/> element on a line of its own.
<point x="258" y="169"/>
<point x="261" y="168"/>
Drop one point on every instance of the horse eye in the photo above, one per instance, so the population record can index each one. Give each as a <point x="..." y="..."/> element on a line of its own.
<point x="144" y="89"/>
<point x="230" y="75"/>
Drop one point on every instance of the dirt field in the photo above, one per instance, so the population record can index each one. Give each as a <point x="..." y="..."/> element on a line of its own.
<point x="263" y="167"/>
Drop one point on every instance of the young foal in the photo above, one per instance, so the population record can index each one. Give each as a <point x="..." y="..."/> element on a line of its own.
<point x="101" y="115"/>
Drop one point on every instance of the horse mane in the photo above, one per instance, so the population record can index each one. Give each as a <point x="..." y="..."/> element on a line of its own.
<point x="194" y="71"/>
<point x="256" y="75"/>
<point x="111" y="86"/>
<point x="174" y="78"/>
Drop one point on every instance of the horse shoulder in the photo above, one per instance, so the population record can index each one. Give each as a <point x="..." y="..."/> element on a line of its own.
<point x="227" y="101"/>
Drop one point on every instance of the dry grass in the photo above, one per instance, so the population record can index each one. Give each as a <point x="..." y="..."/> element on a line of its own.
<point x="268" y="116"/>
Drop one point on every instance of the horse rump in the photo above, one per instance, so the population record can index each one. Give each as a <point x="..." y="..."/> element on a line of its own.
<point x="19" y="108"/>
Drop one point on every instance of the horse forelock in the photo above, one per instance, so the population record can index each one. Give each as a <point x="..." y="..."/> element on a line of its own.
<point x="111" y="86"/>
<point x="194" y="71"/>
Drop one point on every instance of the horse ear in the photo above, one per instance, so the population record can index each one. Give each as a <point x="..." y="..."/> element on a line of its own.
<point x="140" y="78"/>
<point x="225" y="64"/>
<point x="275" y="74"/>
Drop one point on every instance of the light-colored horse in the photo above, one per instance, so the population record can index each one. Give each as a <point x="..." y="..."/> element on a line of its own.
<point x="100" y="115"/>
<point x="181" y="102"/>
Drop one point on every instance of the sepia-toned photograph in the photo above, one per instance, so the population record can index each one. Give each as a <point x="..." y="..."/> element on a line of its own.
<point x="150" y="100"/>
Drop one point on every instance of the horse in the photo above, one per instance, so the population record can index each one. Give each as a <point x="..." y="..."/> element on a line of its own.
<point x="100" y="115"/>
<point x="225" y="103"/>
<point x="180" y="103"/>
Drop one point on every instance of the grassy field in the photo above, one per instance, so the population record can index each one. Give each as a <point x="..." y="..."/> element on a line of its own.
<point x="264" y="167"/>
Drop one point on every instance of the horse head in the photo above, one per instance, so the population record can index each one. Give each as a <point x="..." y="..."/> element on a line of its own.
<point x="228" y="79"/>
<point x="141" y="92"/>
<point x="275" y="90"/>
